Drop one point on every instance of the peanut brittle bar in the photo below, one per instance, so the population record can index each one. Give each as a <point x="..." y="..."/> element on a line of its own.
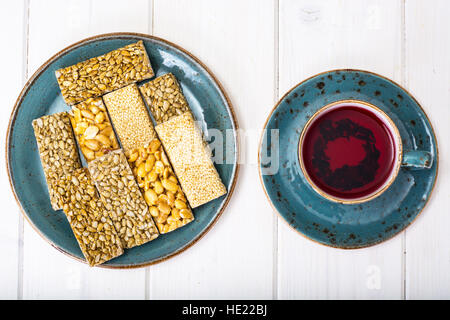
<point x="162" y="192"/>
<point x="57" y="149"/>
<point x="130" y="117"/>
<point x="105" y="73"/>
<point x="123" y="199"/>
<point x="88" y="217"/>
<point x="190" y="159"/>
<point x="93" y="129"/>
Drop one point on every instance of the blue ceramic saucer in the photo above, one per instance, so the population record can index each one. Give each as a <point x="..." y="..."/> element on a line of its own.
<point x="41" y="96"/>
<point x="330" y="223"/>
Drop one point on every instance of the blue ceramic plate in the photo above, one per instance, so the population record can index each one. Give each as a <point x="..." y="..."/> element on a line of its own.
<point x="41" y="96"/>
<point x="346" y="225"/>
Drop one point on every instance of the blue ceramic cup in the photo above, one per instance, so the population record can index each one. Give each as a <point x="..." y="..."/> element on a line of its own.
<point x="414" y="159"/>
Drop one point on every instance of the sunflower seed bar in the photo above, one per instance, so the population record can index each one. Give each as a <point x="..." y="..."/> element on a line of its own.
<point x="163" y="194"/>
<point x="57" y="149"/>
<point x="88" y="217"/>
<point x="123" y="199"/>
<point x="164" y="97"/>
<point x="130" y="117"/>
<point x="93" y="129"/>
<point x="108" y="72"/>
<point x="190" y="159"/>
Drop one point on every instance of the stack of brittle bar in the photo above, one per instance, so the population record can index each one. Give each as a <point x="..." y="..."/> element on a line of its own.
<point x="141" y="180"/>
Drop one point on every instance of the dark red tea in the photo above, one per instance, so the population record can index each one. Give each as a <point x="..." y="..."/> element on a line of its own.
<point x="348" y="152"/>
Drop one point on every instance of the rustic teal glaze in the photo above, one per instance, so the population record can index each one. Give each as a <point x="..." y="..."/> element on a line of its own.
<point x="42" y="96"/>
<point x="348" y="225"/>
<point x="417" y="159"/>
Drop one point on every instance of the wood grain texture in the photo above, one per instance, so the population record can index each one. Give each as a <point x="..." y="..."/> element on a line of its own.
<point x="12" y="18"/>
<point x="47" y="273"/>
<point x="427" y="54"/>
<point x="236" y="40"/>
<point x="315" y="37"/>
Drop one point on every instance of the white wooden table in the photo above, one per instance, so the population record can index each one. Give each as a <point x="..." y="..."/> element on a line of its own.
<point x="258" y="49"/>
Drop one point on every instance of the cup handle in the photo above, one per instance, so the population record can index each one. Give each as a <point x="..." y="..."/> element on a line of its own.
<point x="417" y="159"/>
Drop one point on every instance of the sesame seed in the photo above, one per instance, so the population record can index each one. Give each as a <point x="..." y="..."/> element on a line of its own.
<point x="130" y="117"/>
<point x="191" y="160"/>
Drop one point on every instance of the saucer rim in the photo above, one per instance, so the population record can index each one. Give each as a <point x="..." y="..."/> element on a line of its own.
<point x="366" y="245"/>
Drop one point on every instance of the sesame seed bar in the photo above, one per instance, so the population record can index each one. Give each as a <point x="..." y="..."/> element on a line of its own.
<point x="93" y="129"/>
<point x="57" y="149"/>
<point x="164" y="97"/>
<point x="123" y="199"/>
<point x="105" y="73"/>
<point x="130" y="117"/>
<point x="88" y="217"/>
<point x="162" y="192"/>
<point x="190" y="159"/>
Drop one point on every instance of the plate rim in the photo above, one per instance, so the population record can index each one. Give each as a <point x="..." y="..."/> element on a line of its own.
<point x="80" y="43"/>
<point x="329" y="245"/>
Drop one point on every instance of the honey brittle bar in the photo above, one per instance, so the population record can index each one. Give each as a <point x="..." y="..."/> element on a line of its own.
<point x="105" y="73"/>
<point x="88" y="217"/>
<point x="162" y="192"/>
<point x="57" y="149"/>
<point x="130" y="117"/>
<point x="190" y="159"/>
<point x="123" y="199"/>
<point x="164" y="97"/>
<point x="93" y="129"/>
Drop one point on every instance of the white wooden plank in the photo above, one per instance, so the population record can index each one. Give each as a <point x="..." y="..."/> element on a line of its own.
<point x="53" y="25"/>
<point x="12" y="20"/>
<point x="235" y="39"/>
<point x="315" y="36"/>
<point x="49" y="274"/>
<point x="121" y="16"/>
<point x="428" y="78"/>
